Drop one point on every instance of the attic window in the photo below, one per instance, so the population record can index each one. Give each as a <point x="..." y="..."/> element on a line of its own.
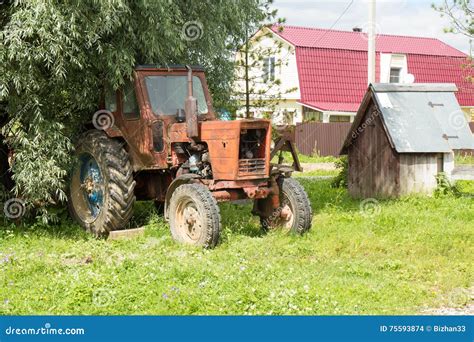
<point x="269" y="69"/>
<point x="395" y="75"/>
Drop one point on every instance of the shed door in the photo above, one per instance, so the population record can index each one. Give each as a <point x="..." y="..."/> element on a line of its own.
<point x="440" y="160"/>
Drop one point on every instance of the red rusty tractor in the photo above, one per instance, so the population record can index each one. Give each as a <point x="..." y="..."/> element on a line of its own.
<point x="158" y="139"/>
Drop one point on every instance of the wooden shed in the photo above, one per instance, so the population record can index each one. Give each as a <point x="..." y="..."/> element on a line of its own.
<point x="402" y="137"/>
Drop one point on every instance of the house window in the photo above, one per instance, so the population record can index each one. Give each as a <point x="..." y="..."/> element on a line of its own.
<point x="312" y="115"/>
<point x="395" y="75"/>
<point x="339" y="118"/>
<point x="269" y="69"/>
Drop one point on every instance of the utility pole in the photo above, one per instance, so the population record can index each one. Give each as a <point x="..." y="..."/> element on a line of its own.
<point x="247" y="88"/>
<point x="371" y="48"/>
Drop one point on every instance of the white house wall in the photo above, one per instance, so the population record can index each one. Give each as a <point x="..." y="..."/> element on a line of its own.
<point x="287" y="73"/>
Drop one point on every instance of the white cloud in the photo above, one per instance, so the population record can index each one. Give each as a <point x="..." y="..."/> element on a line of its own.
<point x="399" y="17"/>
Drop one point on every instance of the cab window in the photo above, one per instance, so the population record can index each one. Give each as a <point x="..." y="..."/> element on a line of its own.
<point x="167" y="94"/>
<point x="110" y="99"/>
<point x="130" y="106"/>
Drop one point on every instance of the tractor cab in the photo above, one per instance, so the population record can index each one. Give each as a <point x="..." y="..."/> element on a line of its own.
<point x="145" y="109"/>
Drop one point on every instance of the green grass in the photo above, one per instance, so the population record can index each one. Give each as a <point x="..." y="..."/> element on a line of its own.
<point x="306" y="159"/>
<point x="412" y="253"/>
<point x="316" y="173"/>
<point x="464" y="160"/>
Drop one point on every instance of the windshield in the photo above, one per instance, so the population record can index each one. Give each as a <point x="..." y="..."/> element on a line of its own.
<point x="168" y="93"/>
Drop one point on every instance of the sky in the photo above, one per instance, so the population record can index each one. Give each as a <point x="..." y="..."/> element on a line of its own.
<point x="399" y="17"/>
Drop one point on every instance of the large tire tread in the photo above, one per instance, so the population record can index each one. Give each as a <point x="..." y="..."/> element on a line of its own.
<point x="118" y="176"/>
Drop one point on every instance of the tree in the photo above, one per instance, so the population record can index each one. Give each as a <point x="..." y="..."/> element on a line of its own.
<point x="256" y="84"/>
<point x="461" y="16"/>
<point x="56" y="55"/>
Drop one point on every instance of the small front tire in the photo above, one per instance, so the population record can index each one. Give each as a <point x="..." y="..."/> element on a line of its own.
<point x="294" y="213"/>
<point x="194" y="216"/>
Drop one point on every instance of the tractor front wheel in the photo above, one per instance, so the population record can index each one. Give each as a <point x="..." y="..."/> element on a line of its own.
<point x="194" y="216"/>
<point x="294" y="213"/>
<point x="101" y="189"/>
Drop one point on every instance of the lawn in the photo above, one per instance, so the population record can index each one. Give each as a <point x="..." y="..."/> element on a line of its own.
<point x="464" y="159"/>
<point x="316" y="173"/>
<point x="306" y="159"/>
<point x="388" y="257"/>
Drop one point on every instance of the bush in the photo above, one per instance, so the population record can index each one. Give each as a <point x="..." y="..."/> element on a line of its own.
<point x="340" y="181"/>
<point x="445" y="187"/>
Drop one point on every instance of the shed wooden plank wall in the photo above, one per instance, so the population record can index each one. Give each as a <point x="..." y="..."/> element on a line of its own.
<point x="417" y="172"/>
<point x="373" y="164"/>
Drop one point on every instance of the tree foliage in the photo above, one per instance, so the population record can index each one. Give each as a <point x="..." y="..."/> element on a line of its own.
<point x="56" y="55"/>
<point x="461" y="15"/>
<point x="255" y="88"/>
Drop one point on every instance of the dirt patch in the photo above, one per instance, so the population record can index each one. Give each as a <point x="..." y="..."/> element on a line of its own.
<point x="459" y="302"/>
<point x="318" y="166"/>
<point x="467" y="310"/>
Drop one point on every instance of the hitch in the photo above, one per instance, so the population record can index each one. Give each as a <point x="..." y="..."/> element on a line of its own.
<point x="286" y="142"/>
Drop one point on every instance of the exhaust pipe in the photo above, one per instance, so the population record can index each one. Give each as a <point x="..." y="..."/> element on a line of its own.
<point x="190" y="107"/>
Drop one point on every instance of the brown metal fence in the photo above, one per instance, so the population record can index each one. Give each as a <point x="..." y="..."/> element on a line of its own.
<point x="325" y="139"/>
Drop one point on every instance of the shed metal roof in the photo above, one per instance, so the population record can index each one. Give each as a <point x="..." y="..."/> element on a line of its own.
<point x="419" y="118"/>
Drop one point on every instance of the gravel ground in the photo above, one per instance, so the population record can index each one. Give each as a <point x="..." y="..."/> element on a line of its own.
<point x="467" y="310"/>
<point x="465" y="172"/>
<point x="462" y="303"/>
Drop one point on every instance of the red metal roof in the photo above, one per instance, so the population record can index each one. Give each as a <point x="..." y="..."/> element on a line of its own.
<point x="438" y="69"/>
<point x="357" y="41"/>
<point x="332" y="65"/>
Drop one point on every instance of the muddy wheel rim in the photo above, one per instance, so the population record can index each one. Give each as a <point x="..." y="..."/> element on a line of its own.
<point x="287" y="214"/>
<point x="188" y="220"/>
<point x="287" y="217"/>
<point x="92" y="184"/>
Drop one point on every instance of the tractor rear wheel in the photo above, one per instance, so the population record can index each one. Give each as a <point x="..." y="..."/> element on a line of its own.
<point x="294" y="213"/>
<point x="101" y="187"/>
<point x="194" y="216"/>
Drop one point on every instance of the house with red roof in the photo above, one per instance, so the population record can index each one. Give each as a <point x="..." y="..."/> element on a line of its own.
<point x="328" y="69"/>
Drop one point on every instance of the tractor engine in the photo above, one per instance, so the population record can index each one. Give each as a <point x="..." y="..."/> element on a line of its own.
<point x="197" y="159"/>
<point x="252" y="151"/>
<point x="227" y="150"/>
